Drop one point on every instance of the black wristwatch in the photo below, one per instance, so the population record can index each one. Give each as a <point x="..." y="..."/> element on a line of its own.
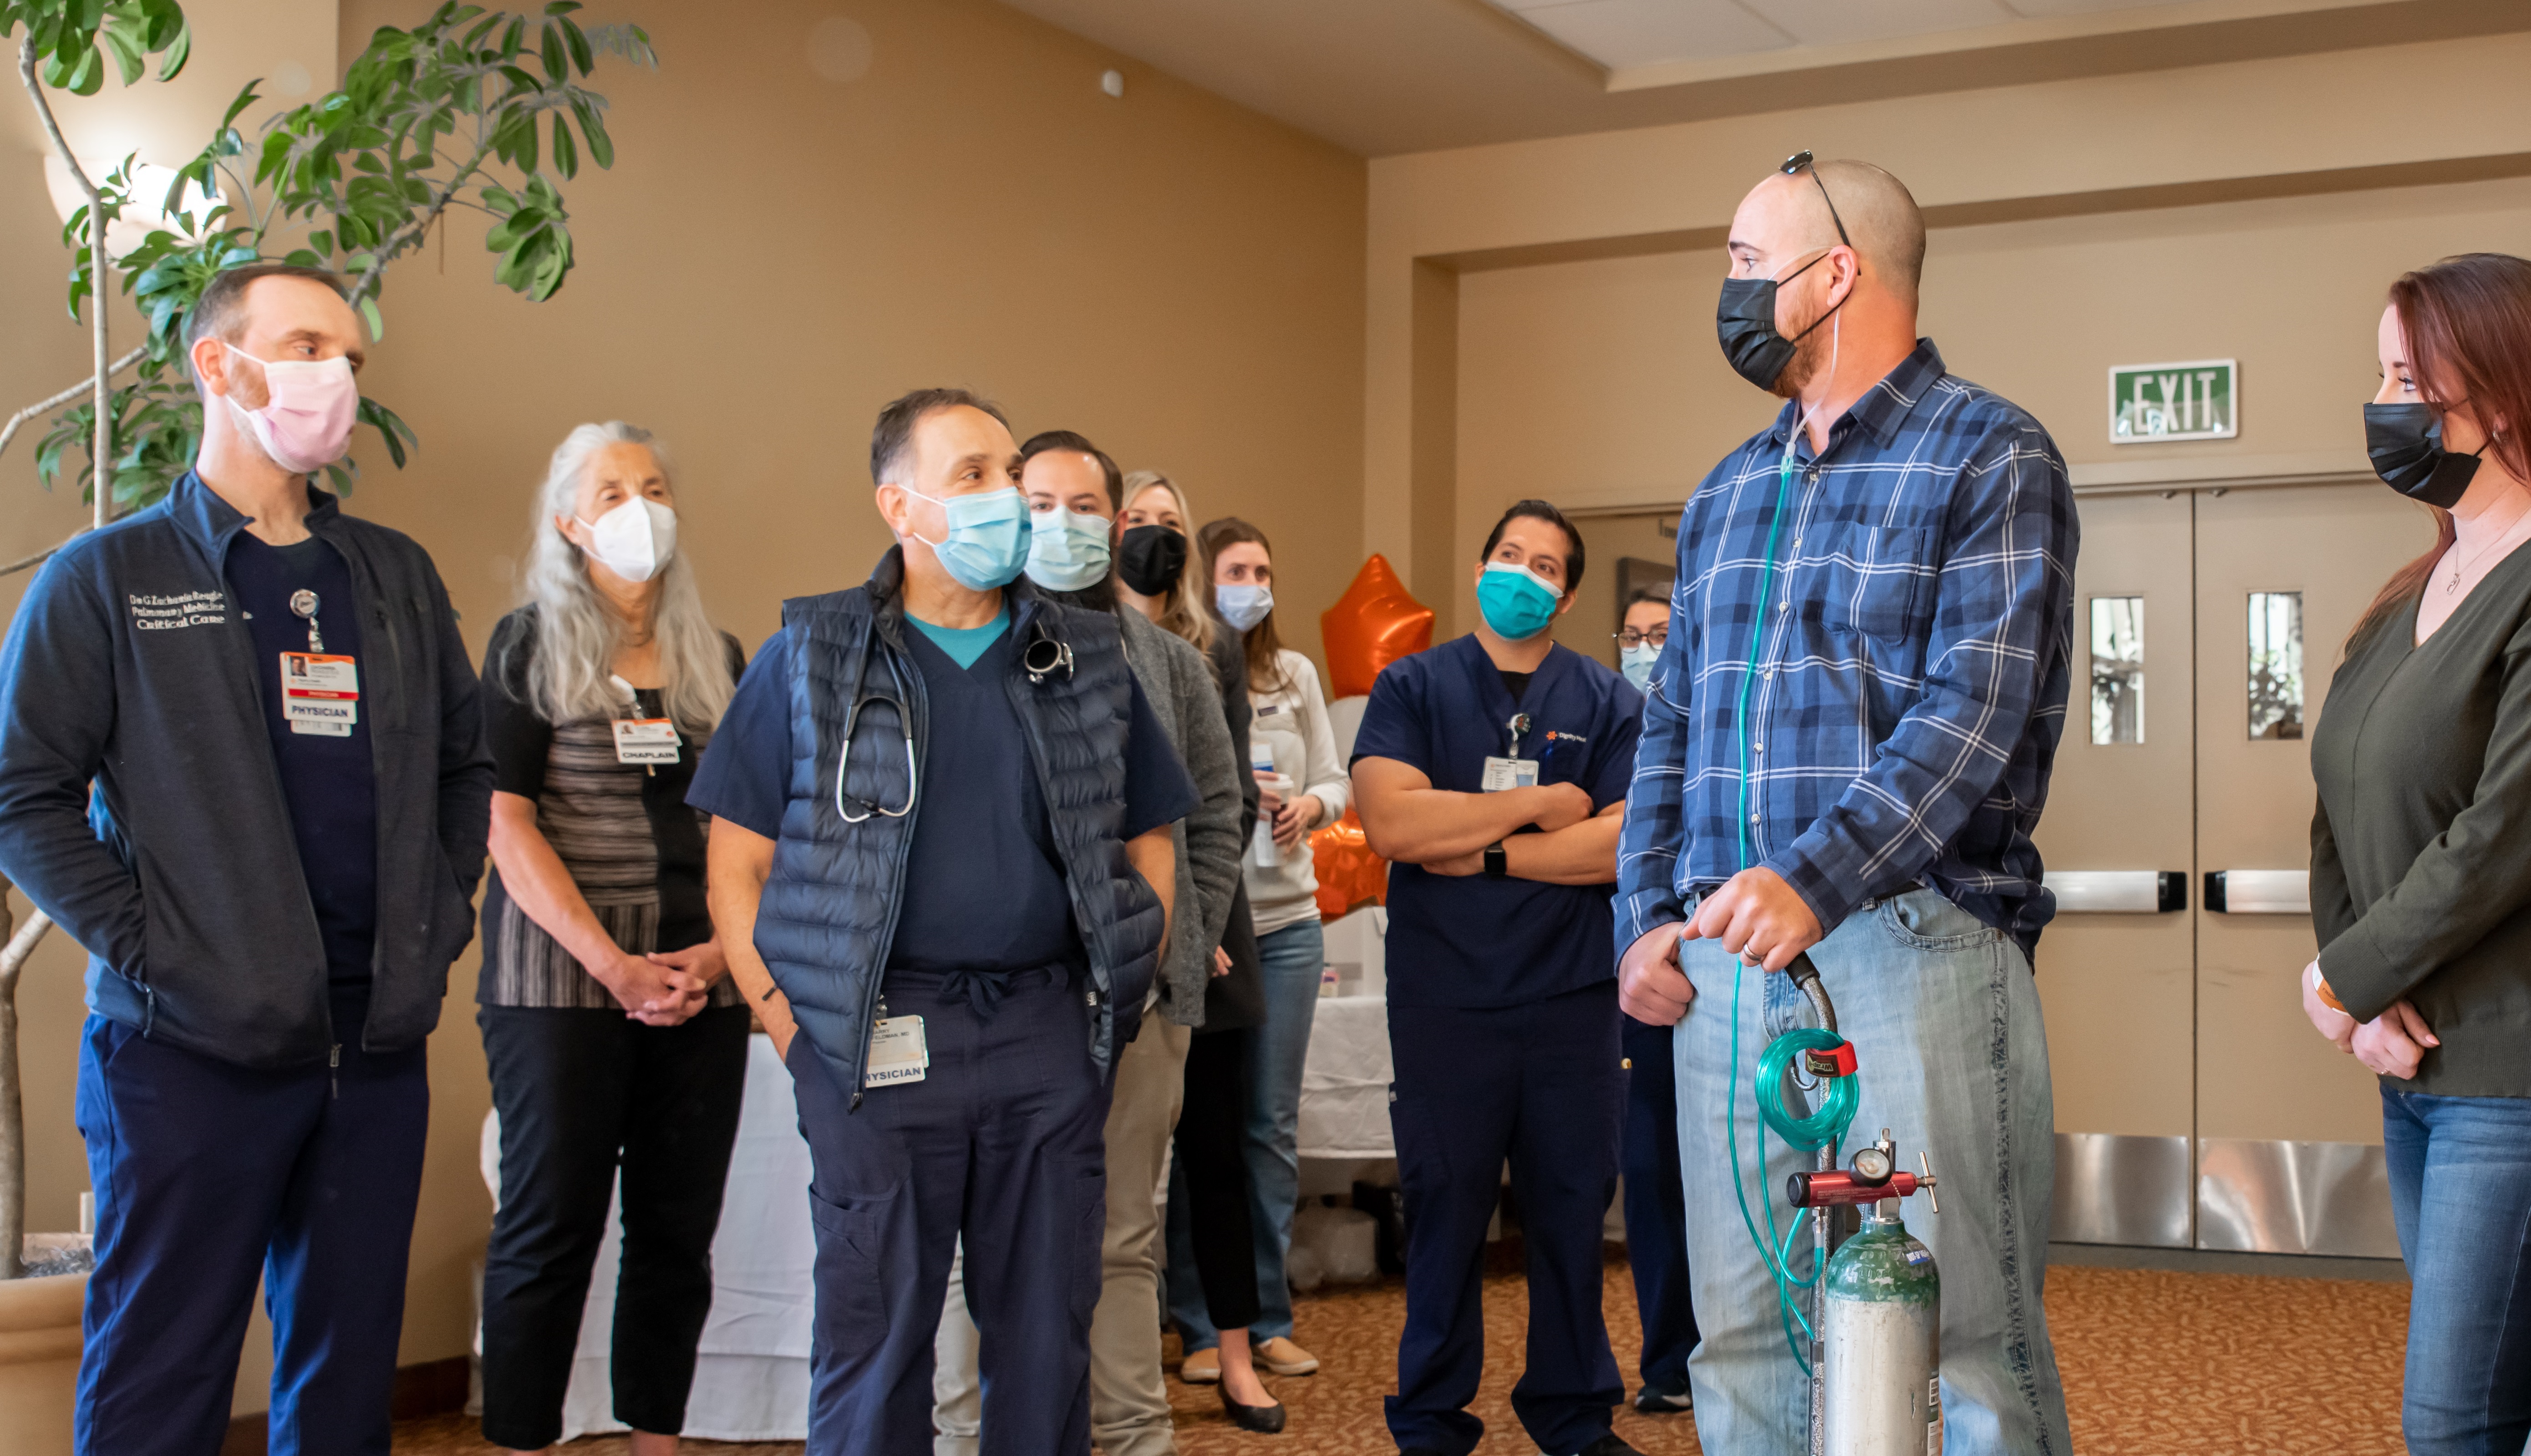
<point x="1497" y="867"/>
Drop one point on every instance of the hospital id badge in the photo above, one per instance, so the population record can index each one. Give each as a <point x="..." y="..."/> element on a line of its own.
<point x="320" y="694"/>
<point x="646" y="741"/>
<point x="897" y="1052"/>
<point x="1510" y="773"/>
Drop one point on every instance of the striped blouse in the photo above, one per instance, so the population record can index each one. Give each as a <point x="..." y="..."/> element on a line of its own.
<point x="622" y="831"/>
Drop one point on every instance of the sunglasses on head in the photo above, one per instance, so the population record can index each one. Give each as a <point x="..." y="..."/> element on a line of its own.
<point x="1802" y="161"/>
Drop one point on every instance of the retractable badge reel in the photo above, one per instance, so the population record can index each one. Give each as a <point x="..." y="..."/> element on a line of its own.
<point x="649" y="741"/>
<point x="1512" y="770"/>
<point x="320" y="692"/>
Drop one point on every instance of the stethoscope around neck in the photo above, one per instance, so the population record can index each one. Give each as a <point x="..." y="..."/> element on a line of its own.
<point x="1045" y="656"/>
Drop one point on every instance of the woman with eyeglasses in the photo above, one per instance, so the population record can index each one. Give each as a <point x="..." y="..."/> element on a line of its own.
<point x="1641" y="635"/>
<point x="615" y="1039"/>
<point x="1292" y="748"/>
<point x="2421" y="848"/>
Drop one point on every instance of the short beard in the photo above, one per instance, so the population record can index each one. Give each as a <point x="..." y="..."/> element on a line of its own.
<point x="1810" y="356"/>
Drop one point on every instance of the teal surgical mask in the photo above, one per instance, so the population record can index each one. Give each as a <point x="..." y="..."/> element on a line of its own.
<point x="1067" y="551"/>
<point x="1242" y="604"/>
<point x="989" y="536"/>
<point x="1516" y="601"/>
<point x="1637" y="664"/>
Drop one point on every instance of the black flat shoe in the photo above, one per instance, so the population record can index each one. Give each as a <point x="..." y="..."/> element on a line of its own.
<point x="1263" y="1419"/>
<point x="1654" y="1401"/>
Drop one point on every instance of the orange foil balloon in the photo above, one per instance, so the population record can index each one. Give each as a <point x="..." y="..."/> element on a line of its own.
<point x="1374" y="624"/>
<point x="1349" y="874"/>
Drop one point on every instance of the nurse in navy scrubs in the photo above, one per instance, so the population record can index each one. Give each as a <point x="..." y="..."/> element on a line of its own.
<point x="1492" y="772"/>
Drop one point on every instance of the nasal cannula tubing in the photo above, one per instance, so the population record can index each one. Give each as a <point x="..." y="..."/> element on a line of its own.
<point x="1826" y="1127"/>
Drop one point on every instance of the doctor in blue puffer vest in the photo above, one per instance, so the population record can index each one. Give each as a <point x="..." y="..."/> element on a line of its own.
<point x="941" y="865"/>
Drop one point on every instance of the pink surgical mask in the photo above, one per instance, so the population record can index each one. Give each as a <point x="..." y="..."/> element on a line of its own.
<point x="310" y="406"/>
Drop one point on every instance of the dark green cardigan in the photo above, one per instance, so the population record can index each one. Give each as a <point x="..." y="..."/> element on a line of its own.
<point x="2421" y="850"/>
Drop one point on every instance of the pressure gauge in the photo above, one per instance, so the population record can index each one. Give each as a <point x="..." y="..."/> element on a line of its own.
<point x="1873" y="1165"/>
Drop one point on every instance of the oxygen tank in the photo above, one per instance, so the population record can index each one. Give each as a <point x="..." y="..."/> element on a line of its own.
<point x="1881" y="1327"/>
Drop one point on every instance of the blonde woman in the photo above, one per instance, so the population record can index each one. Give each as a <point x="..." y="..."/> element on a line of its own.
<point x="613" y="1032"/>
<point x="1212" y="1264"/>
<point x="1292" y="748"/>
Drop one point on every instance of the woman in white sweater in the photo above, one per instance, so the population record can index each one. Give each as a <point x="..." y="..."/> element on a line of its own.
<point x="1292" y="748"/>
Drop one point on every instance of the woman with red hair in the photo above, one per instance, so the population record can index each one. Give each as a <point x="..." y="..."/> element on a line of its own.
<point x="2421" y="848"/>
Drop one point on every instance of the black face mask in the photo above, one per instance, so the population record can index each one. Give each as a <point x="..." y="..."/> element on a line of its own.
<point x="1150" y="558"/>
<point x="2406" y="443"/>
<point x="1745" y="322"/>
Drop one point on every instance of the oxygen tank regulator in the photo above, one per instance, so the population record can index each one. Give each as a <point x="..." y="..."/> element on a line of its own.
<point x="1871" y="1345"/>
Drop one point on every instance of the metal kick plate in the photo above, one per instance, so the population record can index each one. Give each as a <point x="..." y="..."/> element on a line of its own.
<point x="2112" y="1189"/>
<point x="2266" y="1196"/>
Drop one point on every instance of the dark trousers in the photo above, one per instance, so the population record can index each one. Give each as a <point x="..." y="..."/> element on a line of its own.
<point x="1539" y="1085"/>
<point x="582" y="1093"/>
<point x="207" y="1174"/>
<point x="1211" y="1228"/>
<point x="1004" y="1139"/>
<point x="1657" y="1209"/>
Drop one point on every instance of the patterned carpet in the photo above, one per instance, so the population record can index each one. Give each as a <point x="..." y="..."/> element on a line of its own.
<point x="2155" y="1364"/>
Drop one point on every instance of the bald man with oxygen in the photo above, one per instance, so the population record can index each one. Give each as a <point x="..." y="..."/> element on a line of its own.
<point x="1845" y="747"/>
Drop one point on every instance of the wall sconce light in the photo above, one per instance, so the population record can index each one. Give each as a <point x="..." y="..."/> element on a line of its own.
<point x="142" y="213"/>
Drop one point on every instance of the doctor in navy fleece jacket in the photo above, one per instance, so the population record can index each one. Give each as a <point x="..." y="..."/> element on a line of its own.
<point x="242" y="761"/>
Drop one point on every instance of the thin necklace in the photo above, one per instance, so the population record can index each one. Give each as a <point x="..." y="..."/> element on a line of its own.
<point x="2459" y="566"/>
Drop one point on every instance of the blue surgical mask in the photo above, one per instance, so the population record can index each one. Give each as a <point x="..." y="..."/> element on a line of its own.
<point x="989" y="536"/>
<point x="1243" y="604"/>
<point x="1516" y="601"/>
<point x="1067" y="551"/>
<point x="1638" y="665"/>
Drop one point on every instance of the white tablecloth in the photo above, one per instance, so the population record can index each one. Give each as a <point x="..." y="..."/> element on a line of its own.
<point x="1344" y="1085"/>
<point x="752" y="1374"/>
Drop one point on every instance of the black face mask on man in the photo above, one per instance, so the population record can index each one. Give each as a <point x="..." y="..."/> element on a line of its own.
<point x="1150" y="558"/>
<point x="1745" y="322"/>
<point x="2407" y="444"/>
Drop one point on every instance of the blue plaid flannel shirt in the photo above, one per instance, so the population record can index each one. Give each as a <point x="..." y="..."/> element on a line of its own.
<point x="1912" y="674"/>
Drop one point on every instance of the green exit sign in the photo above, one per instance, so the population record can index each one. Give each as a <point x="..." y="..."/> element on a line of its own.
<point x="2199" y="400"/>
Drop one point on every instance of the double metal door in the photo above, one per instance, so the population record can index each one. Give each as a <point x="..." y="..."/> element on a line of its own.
<point x="2195" y="1106"/>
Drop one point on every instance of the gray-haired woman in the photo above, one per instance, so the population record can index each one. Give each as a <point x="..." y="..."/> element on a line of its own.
<point x="614" y="1034"/>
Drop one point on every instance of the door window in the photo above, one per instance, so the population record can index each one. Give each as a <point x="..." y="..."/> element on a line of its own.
<point x="2118" y="669"/>
<point x="2276" y="664"/>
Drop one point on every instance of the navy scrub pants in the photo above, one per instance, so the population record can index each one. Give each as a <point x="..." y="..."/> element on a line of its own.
<point x="1540" y="1085"/>
<point x="1657" y="1209"/>
<point x="1004" y="1140"/>
<point x="207" y="1174"/>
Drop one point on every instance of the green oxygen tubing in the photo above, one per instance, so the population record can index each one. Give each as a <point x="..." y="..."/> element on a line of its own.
<point x="1827" y="1057"/>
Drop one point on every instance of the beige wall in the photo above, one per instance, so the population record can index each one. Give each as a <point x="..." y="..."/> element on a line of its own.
<point x="1602" y="381"/>
<point x="774" y="257"/>
<point x="2078" y="223"/>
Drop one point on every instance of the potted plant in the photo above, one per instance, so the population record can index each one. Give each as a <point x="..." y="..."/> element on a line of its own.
<point x="471" y="108"/>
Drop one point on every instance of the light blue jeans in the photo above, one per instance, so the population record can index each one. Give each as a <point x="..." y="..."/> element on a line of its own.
<point x="1292" y="959"/>
<point x="2460" y="1189"/>
<point x="1945" y="1022"/>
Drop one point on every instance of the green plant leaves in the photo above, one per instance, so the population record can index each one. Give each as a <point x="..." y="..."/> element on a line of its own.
<point x="76" y="38"/>
<point x="446" y="114"/>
